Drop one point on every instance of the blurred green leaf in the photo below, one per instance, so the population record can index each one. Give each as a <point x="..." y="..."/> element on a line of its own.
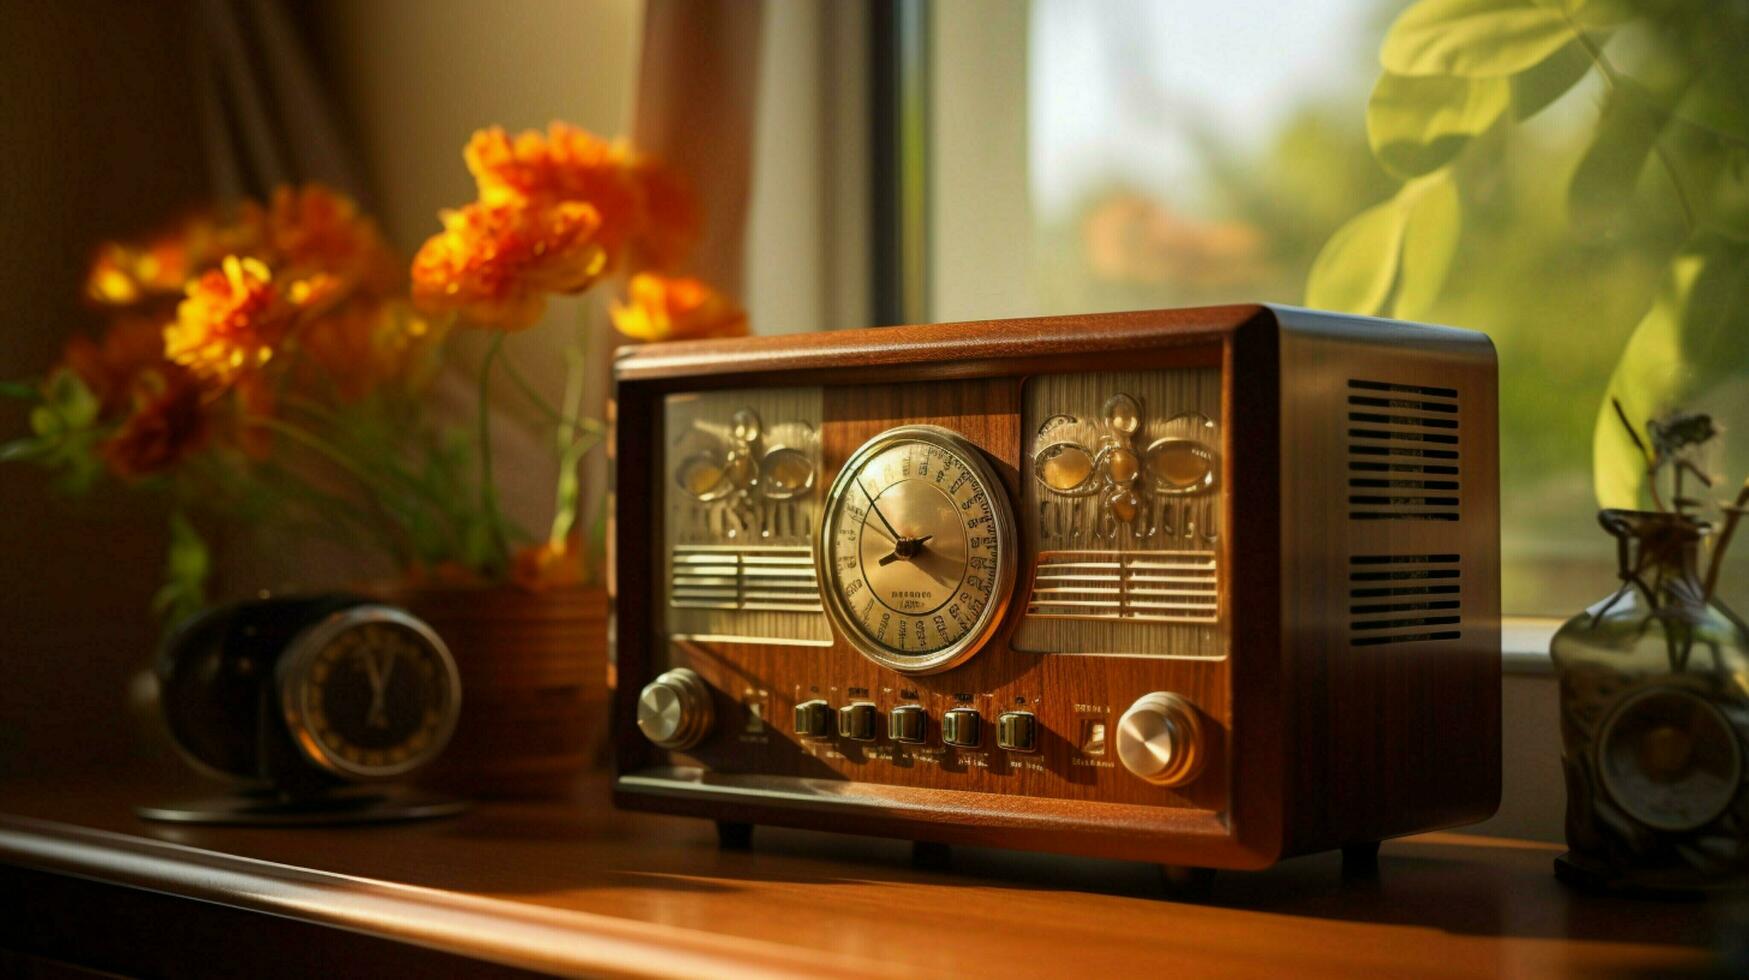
<point x="22" y="449"/>
<point x="1402" y="246"/>
<point x="1606" y="180"/>
<point x="1692" y="337"/>
<point x="1715" y="104"/>
<point x="1430" y="241"/>
<point x="186" y="568"/>
<point x="1727" y="206"/>
<point x="1417" y="125"/>
<point x="1357" y="266"/>
<point x="67" y="406"/>
<point x="22" y="390"/>
<point x="1538" y="86"/>
<point x="1473" y="38"/>
<point x="1598" y="13"/>
<point x="1714" y="177"/>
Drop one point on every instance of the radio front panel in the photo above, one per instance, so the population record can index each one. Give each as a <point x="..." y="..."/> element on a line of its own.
<point x="1117" y="477"/>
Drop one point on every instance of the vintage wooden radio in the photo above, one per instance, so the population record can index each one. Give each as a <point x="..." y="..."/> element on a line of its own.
<point x="1203" y="587"/>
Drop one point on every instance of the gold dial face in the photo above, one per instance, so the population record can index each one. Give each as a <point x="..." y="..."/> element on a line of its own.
<point x="916" y="549"/>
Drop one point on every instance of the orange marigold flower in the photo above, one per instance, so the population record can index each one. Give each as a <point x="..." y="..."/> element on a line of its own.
<point x="649" y="217"/>
<point x="170" y="422"/>
<point x="677" y="308"/>
<point x="108" y="367"/>
<point x="124" y="274"/>
<point x="672" y="220"/>
<point x="364" y="345"/>
<point x="496" y="263"/>
<point x="235" y="317"/>
<point x="313" y="229"/>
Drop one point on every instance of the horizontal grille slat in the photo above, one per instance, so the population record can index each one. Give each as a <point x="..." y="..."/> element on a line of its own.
<point x="1401" y="439"/>
<point x="1173" y="587"/>
<point x="1404" y="599"/>
<point x="754" y="578"/>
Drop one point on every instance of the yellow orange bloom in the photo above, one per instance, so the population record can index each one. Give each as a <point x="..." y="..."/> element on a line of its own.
<point x="677" y="308"/>
<point x="169" y="423"/>
<point x="364" y="345"/>
<point x="496" y="263"/>
<point x="311" y="229"/>
<point x="649" y="216"/>
<point x="235" y="317"/>
<point x="124" y="274"/>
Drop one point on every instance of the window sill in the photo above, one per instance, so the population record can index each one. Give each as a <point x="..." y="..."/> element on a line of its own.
<point x="1524" y="644"/>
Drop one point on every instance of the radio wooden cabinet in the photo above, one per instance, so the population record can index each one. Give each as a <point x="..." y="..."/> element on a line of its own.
<point x="1204" y="587"/>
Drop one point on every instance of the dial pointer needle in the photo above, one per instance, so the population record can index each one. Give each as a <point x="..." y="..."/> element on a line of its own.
<point x="877" y="511"/>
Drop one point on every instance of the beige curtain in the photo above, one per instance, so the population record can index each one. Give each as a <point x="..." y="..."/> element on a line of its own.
<point x="698" y="81"/>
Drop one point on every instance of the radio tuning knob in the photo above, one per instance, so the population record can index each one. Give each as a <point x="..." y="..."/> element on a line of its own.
<point x="674" y="710"/>
<point x="1160" y="739"/>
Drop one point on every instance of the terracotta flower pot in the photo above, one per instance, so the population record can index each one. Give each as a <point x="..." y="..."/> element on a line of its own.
<point x="534" y="685"/>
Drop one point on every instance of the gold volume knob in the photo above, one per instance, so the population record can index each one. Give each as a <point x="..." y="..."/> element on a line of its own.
<point x="1160" y="739"/>
<point x="674" y="710"/>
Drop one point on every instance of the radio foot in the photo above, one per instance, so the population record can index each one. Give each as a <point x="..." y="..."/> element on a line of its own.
<point x="1187" y="883"/>
<point x="931" y="855"/>
<point x="1360" y="860"/>
<point x="732" y="835"/>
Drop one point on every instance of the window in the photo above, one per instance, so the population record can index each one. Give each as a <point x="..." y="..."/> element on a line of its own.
<point x="1132" y="154"/>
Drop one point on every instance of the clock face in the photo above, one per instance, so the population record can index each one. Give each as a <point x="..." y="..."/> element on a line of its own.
<point x="370" y="693"/>
<point x="916" y="549"/>
<point x="1670" y="759"/>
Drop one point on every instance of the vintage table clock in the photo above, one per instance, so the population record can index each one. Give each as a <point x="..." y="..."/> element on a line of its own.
<point x="1203" y="587"/>
<point x="319" y="707"/>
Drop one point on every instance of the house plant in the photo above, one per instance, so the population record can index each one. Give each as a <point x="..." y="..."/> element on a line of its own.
<point x="266" y="368"/>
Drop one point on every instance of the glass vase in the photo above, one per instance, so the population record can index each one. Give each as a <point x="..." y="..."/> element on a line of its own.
<point x="1655" y="720"/>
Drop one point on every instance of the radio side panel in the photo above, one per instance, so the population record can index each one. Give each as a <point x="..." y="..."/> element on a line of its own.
<point x="1391" y="578"/>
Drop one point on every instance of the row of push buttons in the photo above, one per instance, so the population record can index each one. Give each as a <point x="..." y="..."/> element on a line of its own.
<point x="1016" y="731"/>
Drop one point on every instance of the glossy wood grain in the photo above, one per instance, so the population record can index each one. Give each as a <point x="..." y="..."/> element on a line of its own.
<point x="575" y="887"/>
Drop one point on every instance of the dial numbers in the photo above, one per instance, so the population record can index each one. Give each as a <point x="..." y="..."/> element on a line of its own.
<point x="917" y="549"/>
<point x="369" y="693"/>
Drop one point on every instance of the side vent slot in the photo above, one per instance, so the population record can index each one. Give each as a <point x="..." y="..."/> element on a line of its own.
<point x="1404" y="599"/>
<point x="1403" y="452"/>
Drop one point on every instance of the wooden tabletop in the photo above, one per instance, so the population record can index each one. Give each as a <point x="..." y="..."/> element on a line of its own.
<point x="573" y="886"/>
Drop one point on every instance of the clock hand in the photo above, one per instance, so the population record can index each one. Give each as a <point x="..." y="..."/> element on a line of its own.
<point x="378" y="716"/>
<point x="893" y="534"/>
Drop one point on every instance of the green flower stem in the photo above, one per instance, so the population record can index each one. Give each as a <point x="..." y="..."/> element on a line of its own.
<point x="372" y="485"/>
<point x="546" y="408"/>
<point x="571" y="451"/>
<point x="488" y="489"/>
<point x="391" y="466"/>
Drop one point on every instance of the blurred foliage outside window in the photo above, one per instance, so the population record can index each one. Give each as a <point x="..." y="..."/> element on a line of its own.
<point x="1563" y="178"/>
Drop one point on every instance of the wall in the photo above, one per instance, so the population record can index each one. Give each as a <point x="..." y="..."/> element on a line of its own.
<point x="89" y="154"/>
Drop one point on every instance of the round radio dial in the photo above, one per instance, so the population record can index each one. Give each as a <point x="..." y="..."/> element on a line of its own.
<point x="1160" y="739"/>
<point x="674" y="710"/>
